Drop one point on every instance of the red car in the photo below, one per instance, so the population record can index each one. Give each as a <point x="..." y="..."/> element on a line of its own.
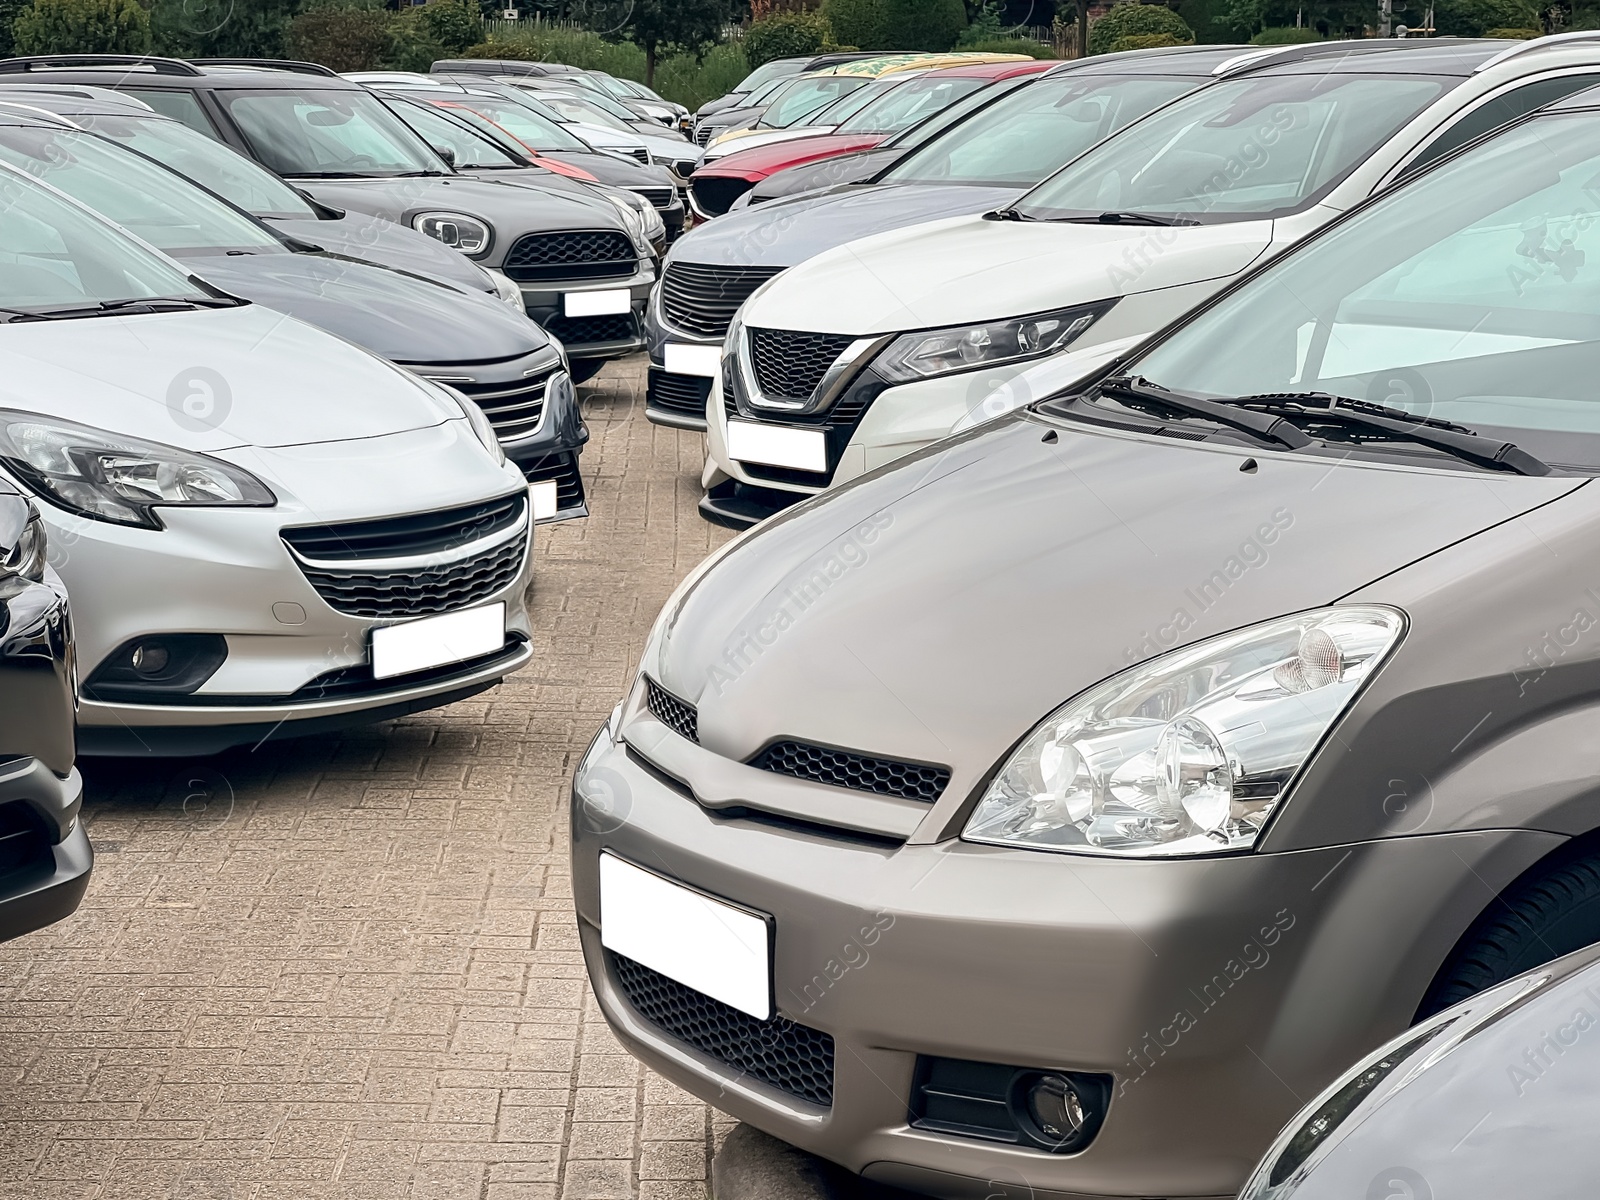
<point x="714" y="187"/>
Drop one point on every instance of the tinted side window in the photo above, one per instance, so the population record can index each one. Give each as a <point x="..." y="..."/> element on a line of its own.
<point x="181" y="106"/>
<point x="1506" y="107"/>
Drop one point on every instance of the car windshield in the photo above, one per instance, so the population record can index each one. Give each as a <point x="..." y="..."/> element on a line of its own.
<point x="572" y="108"/>
<point x="1244" y="149"/>
<point x="521" y="122"/>
<point x="799" y="98"/>
<point x="912" y="101"/>
<point x="328" y="133"/>
<point x="1471" y="295"/>
<point x="471" y="150"/>
<point x="55" y="255"/>
<point x="846" y="106"/>
<point x="775" y="71"/>
<point x="209" y="163"/>
<point x="594" y="102"/>
<point x="145" y="198"/>
<point x="1028" y="135"/>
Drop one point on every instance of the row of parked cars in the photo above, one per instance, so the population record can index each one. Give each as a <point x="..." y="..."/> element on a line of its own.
<point x="287" y="378"/>
<point x="1162" y="670"/>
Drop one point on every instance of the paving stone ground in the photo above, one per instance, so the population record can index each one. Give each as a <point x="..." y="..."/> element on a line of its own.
<point x="345" y="967"/>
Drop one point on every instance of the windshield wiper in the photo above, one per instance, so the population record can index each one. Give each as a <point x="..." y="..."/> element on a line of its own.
<point x="1138" y="392"/>
<point x="1457" y="440"/>
<point x="1128" y="218"/>
<point x="122" y="308"/>
<point x="1007" y="214"/>
<point x="418" y="175"/>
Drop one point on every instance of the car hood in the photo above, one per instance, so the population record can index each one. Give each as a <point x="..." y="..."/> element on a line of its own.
<point x="782" y="233"/>
<point x="753" y="139"/>
<point x="937" y="610"/>
<point x="760" y="161"/>
<point x="813" y="178"/>
<point x="512" y="209"/>
<point x="259" y="378"/>
<point x="618" y="172"/>
<point x="401" y="318"/>
<point x="370" y="239"/>
<point x="971" y="269"/>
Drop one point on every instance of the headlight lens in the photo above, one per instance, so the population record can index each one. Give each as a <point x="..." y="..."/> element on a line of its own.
<point x="633" y="221"/>
<point x="109" y="477"/>
<point x="26" y="558"/>
<point x="935" y="352"/>
<point x="467" y="234"/>
<point x="506" y="288"/>
<point x="1191" y="752"/>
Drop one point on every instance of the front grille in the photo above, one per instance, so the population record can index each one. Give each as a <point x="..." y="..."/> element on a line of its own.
<point x="790" y="364"/>
<point x="682" y="394"/>
<point x="660" y="197"/>
<point x="715" y="194"/>
<point x="779" y="1052"/>
<point x="703" y="134"/>
<point x="701" y="299"/>
<point x="858" y="772"/>
<point x="677" y="715"/>
<point x="640" y="154"/>
<point x="596" y="254"/>
<point x="563" y="468"/>
<point x="582" y="331"/>
<point x="685" y="167"/>
<point x="421" y="592"/>
<point x="419" y="533"/>
<point x="513" y="407"/>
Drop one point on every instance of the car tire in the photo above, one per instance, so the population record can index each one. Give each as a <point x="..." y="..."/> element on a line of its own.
<point x="1553" y="910"/>
<point x="585" y="369"/>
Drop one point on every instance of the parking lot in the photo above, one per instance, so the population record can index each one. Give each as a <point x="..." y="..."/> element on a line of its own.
<point x="346" y="966"/>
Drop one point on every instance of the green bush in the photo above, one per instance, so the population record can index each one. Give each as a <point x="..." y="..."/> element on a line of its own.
<point x="82" y="27"/>
<point x="923" y="24"/>
<point x="784" y="35"/>
<point x="863" y="23"/>
<point x="690" y="82"/>
<point x="1131" y="19"/>
<point x="1285" y="35"/>
<point x="1516" y="35"/>
<point x="1144" y="41"/>
<point x="345" y="39"/>
<point x="1474" y="18"/>
<point x="454" y="24"/>
<point x="219" y="28"/>
<point x="1005" y="45"/>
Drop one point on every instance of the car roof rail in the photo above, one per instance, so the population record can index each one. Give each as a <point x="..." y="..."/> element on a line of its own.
<point x="39" y="114"/>
<point x="1276" y="55"/>
<point x="1105" y="60"/>
<point x="273" y="64"/>
<point x="23" y="64"/>
<point x="75" y="91"/>
<point x="1517" y="49"/>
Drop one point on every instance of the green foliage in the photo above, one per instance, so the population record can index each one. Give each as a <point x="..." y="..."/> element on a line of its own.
<point x="1474" y="18"/>
<point x="925" y="24"/>
<point x="345" y="39"/>
<point x="9" y="11"/>
<point x="1515" y="35"/>
<point x="1005" y="45"/>
<point x="1285" y="35"/>
<point x="689" y="81"/>
<point x="454" y="24"/>
<point x="1330" y="18"/>
<point x="784" y="35"/>
<point x="82" y="27"/>
<point x="1205" y="18"/>
<point x="221" y="28"/>
<point x="1131" y="20"/>
<point x="986" y="25"/>
<point x="1144" y="41"/>
<point x="863" y="23"/>
<point x="661" y="27"/>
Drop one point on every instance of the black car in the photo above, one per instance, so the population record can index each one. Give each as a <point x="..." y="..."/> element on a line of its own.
<point x="45" y="857"/>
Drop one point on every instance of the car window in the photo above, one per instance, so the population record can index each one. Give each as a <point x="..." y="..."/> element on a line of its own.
<point x="209" y="163"/>
<point x="1504" y="108"/>
<point x="574" y="109"/>
<point x="801" y="97"/>
<point x="1242" y="149"/>
<point x="338" y="133"/>
<point x="1471" y="294"/>
<point x="469" y="150"/>
<point x="145" y="198"/>
<point x="528" y="127"/>
<point x="1031" y="133"/>
<point x="846" y="106"/>
<point x="180" y="106"/>
<point x="53" y="254"/>
<point x="912" y="101"/>
<point x="921" y="134"/>
<point x="768" y="73"/>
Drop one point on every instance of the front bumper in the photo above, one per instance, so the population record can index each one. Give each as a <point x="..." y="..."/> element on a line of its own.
<point x="673" y="399"/>
<point x="1219" y="994"/>
<point x="45" y="860"/>
<point x="608" y="336"/>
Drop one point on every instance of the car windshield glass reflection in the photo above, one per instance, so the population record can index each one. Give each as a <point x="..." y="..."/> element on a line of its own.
<point x="913" y="101"/>
<point x="800" y="98"/>
<point x="1470" y="296"/>
<point x="329" y="134"/>
<point x="528" y="127"/>
<point x="1031" y="133"/>
<point x="469" y="150"/>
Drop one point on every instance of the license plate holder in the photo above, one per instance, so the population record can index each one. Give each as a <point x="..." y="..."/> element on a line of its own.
<point x="778" y="446"/>
<point x="437" y="641"/>
<point x="604" y="303"/>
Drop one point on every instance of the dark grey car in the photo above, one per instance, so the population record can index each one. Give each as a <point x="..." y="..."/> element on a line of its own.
<point x="584" y="267"/>
<point x="975" y="165"/>
<point x="1051" y="812"/>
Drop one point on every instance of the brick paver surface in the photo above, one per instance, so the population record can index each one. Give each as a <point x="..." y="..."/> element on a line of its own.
<point x="345" y="967"/>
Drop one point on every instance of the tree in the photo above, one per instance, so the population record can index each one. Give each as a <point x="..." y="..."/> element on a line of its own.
<point x="1131" y="20"/>
<point x="658" y="27"/>
<point x="933" y="25"/>
<point x="82" y="27"/>
<point x="784" y="35"/>
<point x="346" y="39"/>
<point x="221" y="28"/>
<point x="1474" y="18"/>
<point x="454" y="24"/>
<point x="860" y="23"/>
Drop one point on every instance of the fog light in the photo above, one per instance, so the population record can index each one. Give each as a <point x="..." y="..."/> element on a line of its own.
<point x="155" y="666"/>
<point x="149" y="659"/>
<point x="1056" y="1109"/>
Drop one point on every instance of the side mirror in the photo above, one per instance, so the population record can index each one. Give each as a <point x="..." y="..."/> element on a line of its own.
<point x="448" y="155"/>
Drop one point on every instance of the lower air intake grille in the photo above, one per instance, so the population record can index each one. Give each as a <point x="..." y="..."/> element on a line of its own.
<point x="684" y="395"/>
<point x="563" y="468"/>
<point x="715" y="194"/>
<point x="597" y="254"/>
<point x="661" y="197"/>
<point x="514" y="407"/>
<point x="792" y="1058"/>
<point x="675" y="714"/>
<point x="584" y="331"/>
<point x="858" y="772"/>
<point x="423" y="591"/>
<point x="790" y="364"/>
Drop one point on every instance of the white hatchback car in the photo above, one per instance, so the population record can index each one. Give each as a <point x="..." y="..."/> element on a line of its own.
<point x="264" y="529"/>
<point x="870" y="351"/>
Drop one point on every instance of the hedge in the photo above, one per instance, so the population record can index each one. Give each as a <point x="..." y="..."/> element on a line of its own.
<point x="1131" y="20"/>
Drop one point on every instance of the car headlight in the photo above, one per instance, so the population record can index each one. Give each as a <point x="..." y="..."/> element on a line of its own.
<point x="466" y="234"/>
<point x="109" y="477"/>
<point x="934" y="352"/>
<point x="26" y="558"/>
<point x="480" y="426"/>
<point x="633" y="221"/>
<point x="1190" y="752"/>
<point x="506" y="288"/>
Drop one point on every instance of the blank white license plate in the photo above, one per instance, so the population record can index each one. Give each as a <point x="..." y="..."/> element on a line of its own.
<point x="596" y="304"/>
<point x="434" y="641"/>
<point x="543" y="495"/>
<point x="775" y="446"/>
<point x="686" y="935"/>
<point x="693" y="360"/>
